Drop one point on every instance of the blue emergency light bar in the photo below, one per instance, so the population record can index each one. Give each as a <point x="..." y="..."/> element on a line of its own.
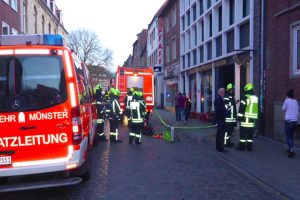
<point x="47" y="39"/>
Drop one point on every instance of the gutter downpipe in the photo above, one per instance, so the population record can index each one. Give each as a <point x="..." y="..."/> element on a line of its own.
<point x="262" y="66"/>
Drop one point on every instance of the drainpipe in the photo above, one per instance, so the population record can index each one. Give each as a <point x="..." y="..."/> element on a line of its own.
<point x="262" y="66"/>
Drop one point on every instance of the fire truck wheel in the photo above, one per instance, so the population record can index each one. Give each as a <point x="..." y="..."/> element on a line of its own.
<point x="4" y="180"/>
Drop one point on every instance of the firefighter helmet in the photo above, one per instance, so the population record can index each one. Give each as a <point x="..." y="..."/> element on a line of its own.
<point x="229" y="86"/>
<point x="117" y="92"/>
<point x="131" y="89"/>
<point x="248" y="87"/>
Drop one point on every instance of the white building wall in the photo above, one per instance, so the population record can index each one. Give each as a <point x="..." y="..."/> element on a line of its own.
<point x="185" y="49"/>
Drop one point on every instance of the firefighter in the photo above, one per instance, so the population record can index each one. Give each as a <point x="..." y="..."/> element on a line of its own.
<point x="127" y="100"/>
<point x="100" y="112"/>
<point x="247" y="116"/>
<point x="230" y="120"/>
<point x="113" y="113"/>
<point x="137" y="110"/>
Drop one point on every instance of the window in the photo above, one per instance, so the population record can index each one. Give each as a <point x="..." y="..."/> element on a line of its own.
<point x="189" y="17"/>
<point x="231" y="12"/>
<point x="189" y="59"/>
<point x="220" y="18"/>
<point x="183" y="23"/>
<point x="167" y="52"/>
<point x="208" y="4"/>
<point x="43" y="87"/>
<point x="174" y="48"/>
<point x="210" y="25"/>
<point x="43" y="24"/>
<point x="5" y="29"/>
<point x="35" y="20"/>
<point x="219" y="46"/>
<point x="194" y="57"/>
<point x="51" y="5"/>
<point x="183" y="62"/>
<point x="24" y="17"/>
<point x="230" y="41"/>
<point x="244" y="35"/>
<point x="201" y="7"/>
<point x="202" y="28"/>
<point x="296" y="49"/>
<point x="14" y="31"/>
<point x="194" y="12"/>
<point x="195" y="35"/>
<point x="201" y="52"/>
<point x="14" y="4"/>
<point x="246" y="7"/>
<point x="209" y="50"/>
<point x="167" y="25"/>
<point x="174" y="17"/>
<point x="49" y="28"/>
<point x="6" y="1"/>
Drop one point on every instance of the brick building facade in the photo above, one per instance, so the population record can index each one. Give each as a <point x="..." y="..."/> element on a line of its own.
<point x="171" y="42"/>
<point x="139" y="54"/>
<point x="9" y="17"/>
<point x="282" y="60"/>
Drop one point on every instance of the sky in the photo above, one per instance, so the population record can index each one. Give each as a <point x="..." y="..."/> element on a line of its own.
<point x="116" y="22"/>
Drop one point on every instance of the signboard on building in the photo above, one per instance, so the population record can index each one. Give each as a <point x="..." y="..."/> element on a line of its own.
<point x="160" y="52"/>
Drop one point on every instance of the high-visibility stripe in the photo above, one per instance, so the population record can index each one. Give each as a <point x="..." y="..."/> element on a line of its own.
<point x="99" y="121"/>
<point x="249" y="140"/>
<point x="225" y="138"/>
<point x="242" y="140"/>
<point x="132" y="134"/>
<point x="248" y="125"/>
<point x="101" y="134"/>
<point x="240" y="115"/>
<point x="243" y="102"/>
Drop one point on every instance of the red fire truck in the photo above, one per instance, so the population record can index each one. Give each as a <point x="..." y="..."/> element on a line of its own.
<point x="140" y="78"/>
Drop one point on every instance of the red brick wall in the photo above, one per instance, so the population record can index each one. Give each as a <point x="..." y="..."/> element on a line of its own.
<point x="278" y="56"/>
<point x="10" y="17"/>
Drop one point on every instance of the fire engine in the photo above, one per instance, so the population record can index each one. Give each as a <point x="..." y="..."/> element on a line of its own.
<point x="47" y="112"/>
<point x="140" y="78"/>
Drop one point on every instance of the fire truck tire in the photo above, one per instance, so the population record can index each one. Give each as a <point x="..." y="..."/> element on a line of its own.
<point x="4" y="180"/>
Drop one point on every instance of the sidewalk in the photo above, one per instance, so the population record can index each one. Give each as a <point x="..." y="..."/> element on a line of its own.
<point x="267" y="164"/>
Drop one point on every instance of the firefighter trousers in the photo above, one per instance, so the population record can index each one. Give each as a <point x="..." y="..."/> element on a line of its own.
<point x="246" y="138"/>
<point x="229" y="127"/>
<point x="100" y="131"/>
<point x="113" y="129"/>
<point x="136" y="133"/>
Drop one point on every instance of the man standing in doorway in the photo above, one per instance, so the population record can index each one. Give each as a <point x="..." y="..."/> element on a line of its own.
<point x="220" y="118"/>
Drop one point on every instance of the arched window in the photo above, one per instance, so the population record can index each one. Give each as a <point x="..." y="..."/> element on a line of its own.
<point x="35" y="20"/>
<point x="49" y="28"/>
<point x="43" y="24"/>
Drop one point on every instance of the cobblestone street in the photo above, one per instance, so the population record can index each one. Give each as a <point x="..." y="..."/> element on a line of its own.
<point x="157" y="170"/>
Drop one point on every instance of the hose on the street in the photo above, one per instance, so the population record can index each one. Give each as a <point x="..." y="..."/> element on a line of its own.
<point x="181" y="127"/>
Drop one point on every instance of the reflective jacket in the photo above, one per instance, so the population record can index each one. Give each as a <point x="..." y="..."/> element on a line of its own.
<point x="231" y="108"/>
<point x="137" y="110"/>
<point x="248" y="112"/>
<point x="113" y="109"/>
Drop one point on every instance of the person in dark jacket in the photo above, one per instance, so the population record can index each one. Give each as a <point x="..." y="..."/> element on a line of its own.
<point x="100" y="112"/>
<point x="187" y="107"/>
<point x="220" y="118"/>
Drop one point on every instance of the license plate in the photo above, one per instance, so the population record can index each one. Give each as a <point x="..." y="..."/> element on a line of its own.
<point x="5" y="160"/>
